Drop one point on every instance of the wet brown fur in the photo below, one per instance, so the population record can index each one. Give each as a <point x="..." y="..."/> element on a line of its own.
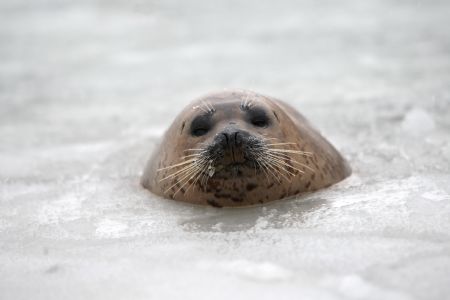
<point x="256" y="187"/>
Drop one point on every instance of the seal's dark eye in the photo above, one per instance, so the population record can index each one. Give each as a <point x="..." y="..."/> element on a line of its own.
<point x="201" y="125"/>
<point x="258" y="117"/>
<point x="200" y="131"/>
<point x="260" y="122"/>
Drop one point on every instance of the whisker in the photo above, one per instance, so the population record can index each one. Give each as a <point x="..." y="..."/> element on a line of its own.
<point x="180" y="180"/>
<point x="246" y="103"/>
<point x="283" y="164"/>
<point x="203" y="179"/>
<point x="264" y="171"/>
<point x="277" y="171"/>
<point x="259" y="158"/>
<point x="196" y="174"/>
<point x="204" y="175"/>
<point x="194" y="150"/>
<point x="202" y="108"/>
<point x="184" y="184"/>
<point x="199" y="175"/>
<point x="205" y="106"/>
<point x="208" y="176"/>
<point x="271" y="139"/>
<point x="303" y="165"/>
<point x="280" y="155"/>
<point x="263" y="162"/>
<point x="279" y="144"/>
<point x="211" y="107"/>
<point x="272" y="164"/>
<point x="186" y="169"/>
<point x="183" y="179"/>
<point x="177" y="165"/>
<point x="191" y="155"/>
<point x="295" y="161"/>
<point x="291" y="151"/>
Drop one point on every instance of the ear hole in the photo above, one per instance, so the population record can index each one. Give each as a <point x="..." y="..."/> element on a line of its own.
<point x="276" y="116"/>
<point x="182" y="126"/>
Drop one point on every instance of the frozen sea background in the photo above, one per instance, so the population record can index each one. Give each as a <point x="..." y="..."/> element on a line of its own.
<point x="87" y="88"/>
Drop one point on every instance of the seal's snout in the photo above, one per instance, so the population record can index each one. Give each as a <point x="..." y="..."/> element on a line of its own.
<point x="233" y="141"/>
<point x="232" y="138"/>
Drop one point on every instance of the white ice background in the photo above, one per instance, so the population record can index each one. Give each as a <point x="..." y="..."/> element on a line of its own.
<point x="87" y="87"/>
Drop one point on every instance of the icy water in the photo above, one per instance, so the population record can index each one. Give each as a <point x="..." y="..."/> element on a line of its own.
<point x="87" y="88"/>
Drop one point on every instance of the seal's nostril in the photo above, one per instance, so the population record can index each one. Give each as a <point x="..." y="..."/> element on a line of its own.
<point x="237" y="140"/>
<point x="227" y="140"/>
<point x="232" y="138"/>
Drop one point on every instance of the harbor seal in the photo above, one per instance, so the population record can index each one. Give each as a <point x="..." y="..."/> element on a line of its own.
<point x="241" y="148"/>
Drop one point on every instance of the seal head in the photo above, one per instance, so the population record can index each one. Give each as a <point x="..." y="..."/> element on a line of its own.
<point x="240" y="148"/>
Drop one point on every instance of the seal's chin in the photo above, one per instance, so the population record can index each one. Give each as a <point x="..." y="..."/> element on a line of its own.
<point x="235" y="170"/>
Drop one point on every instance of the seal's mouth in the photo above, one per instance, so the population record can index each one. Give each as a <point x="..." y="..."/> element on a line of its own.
<point x="234" y="154"/>
<point x="240" y="169"/>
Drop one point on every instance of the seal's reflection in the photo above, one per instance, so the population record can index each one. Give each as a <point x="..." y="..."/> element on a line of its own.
<point x="281" y="214"/>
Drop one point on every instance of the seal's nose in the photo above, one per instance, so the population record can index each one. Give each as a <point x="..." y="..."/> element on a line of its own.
<point x="232" y="141"/>
<point x="233" y="138"/>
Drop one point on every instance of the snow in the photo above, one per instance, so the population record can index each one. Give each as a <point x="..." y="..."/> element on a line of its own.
<point x="88" y="87"/>
<point x="418" y="122"/>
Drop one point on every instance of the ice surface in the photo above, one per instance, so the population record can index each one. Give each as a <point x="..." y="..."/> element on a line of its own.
<point x="418" y="122"/>
<point x="87" y="88"/>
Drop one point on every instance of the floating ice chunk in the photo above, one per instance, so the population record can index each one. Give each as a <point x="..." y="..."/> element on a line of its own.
<point x="418" y="122"/>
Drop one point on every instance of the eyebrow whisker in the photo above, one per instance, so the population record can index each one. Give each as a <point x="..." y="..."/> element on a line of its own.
<point x="202" y="108"/>
<point x="246" y="103"/>
<point x="212" y="109"/>
<point x="207" y="107"/>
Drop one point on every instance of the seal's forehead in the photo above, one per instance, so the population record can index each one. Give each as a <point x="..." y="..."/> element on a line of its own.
<point x="227" y="101"/>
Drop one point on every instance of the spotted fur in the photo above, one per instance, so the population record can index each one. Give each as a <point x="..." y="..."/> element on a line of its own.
<point x="202" y="182"/>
